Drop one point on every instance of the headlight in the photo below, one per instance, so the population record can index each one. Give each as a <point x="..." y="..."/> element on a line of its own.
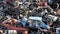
<point x="0" y="17"/>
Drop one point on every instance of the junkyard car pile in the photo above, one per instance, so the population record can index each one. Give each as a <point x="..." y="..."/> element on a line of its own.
<point x="32" y="17"/>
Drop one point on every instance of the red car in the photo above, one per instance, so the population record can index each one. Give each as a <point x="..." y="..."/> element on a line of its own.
<point x="13" y="27"/>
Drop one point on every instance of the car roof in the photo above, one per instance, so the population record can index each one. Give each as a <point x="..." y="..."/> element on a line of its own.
<point x="35" y="18"/>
